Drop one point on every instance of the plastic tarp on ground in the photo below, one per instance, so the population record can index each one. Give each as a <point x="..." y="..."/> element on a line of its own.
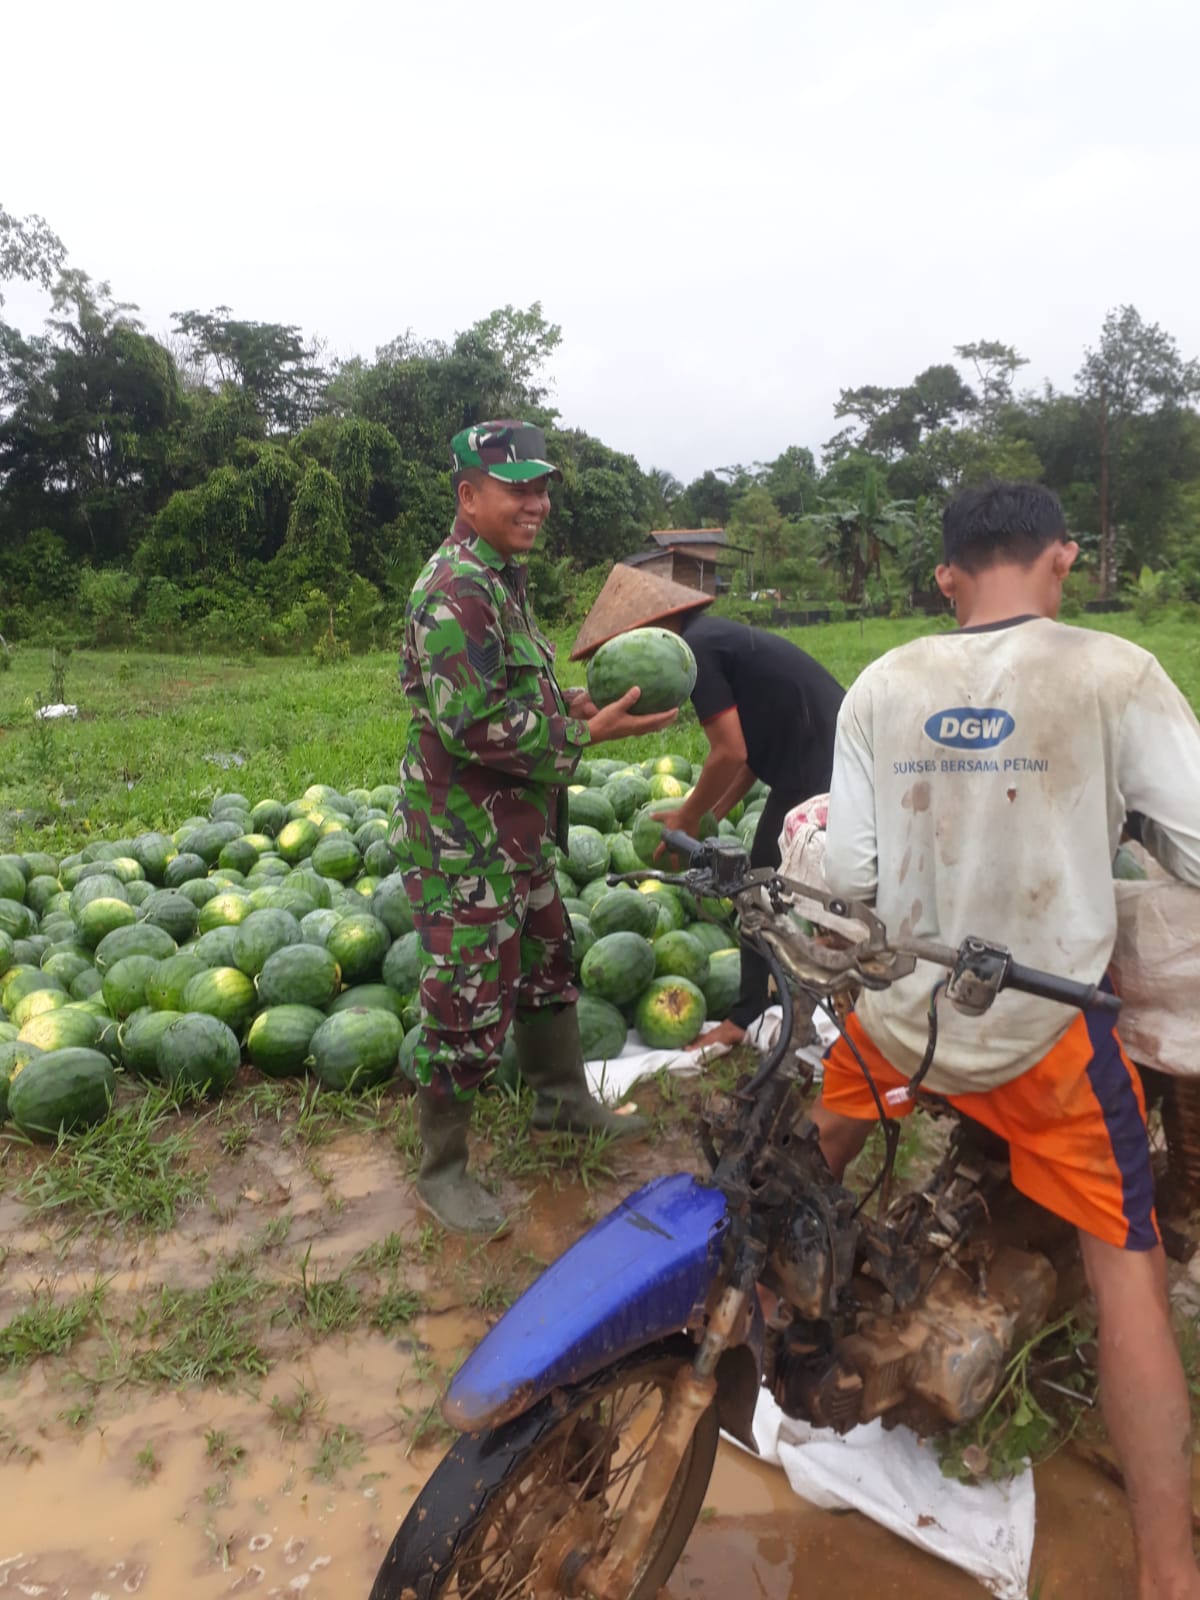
<point x="894" y="1478"/>
<point x="611" y="1080"/>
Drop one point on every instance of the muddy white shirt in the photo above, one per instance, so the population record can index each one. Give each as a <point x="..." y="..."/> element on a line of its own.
<point x="980" y="782"/>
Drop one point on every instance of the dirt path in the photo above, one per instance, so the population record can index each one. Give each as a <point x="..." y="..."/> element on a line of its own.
<point x="310" y="1262"/>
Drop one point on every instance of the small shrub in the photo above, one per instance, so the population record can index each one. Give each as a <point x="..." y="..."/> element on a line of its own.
<point x="328" y="651"/>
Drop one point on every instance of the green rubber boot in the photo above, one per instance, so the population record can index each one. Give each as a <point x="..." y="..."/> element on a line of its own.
<point x="445" y="1187"/>
<point x="550" y="1056"/>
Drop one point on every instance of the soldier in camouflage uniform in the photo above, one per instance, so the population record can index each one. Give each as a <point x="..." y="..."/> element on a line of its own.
<point x="492" y="743"/>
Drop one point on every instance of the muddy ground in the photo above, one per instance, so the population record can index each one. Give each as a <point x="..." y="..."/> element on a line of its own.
<point x="245" y="1401"/>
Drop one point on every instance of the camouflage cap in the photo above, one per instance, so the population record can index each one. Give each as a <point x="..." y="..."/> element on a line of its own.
<point x="514" y="452"/>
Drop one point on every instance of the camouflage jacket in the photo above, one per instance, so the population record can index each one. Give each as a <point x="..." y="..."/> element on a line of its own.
<point x="491" y="744"/>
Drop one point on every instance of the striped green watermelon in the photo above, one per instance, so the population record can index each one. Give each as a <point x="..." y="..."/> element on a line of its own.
<point x="182" y="869"/>
<point x="670" y="1012"/>
<point x="590" y="808"/>
<point x="299" y="974"/>
<point x="24" y="979"/>
<point x="587" y="854"/>
<point x="402" y="964"/>
<point x="63" y="1027"/>
<point x="139" y="1037"/>
<point x="602" y="1029"/>
<point x="14" y="1053"/>
<point x="37" y="1002"/>
<point x="222" y="992"/>
<point x="215" y="948"/>
<point x="358" y="943"/>
<point x="279" y="1039"/>
<point x="297" y="839"/>
<point x="678" y="955"/>
<point x="711" y="937"/>
<point x="102" y="916"/>
<point x="142" y="939"/>
<point x="268" y="816"/>
<point x="623" y="911"/>
<point x="356" y="1049"/>
<point x="723" y="984"/>
<point x="656" y="660"/>
<point x="582" y="938"/>
<point x="198" y="1054"/>
<point x="626" y="794"/>
<point x="260" y="936"/>
<point x="337" y="856"/>
<point x="368" y="996"/>
<point x="224" y="910"/>
<point x="60" y="1090"/>
<point x="618" y="966"/>
<point x="171" y="911"/>
<point x="125" y="983"/>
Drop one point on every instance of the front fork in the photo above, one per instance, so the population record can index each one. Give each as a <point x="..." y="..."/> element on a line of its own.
<point x="691" y="1395"/>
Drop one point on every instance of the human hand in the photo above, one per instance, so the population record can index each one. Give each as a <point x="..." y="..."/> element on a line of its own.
<point x="581" y="705"/>
<point x="618" y="721"/>
<point x="681" y="820"/>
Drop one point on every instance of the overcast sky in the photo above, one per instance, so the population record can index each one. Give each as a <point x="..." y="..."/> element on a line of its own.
<point x="733" y="209"/>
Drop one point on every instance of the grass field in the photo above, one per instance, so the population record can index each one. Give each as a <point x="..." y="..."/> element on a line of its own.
<point x="229" y="1324"/>
<point x="159" y="736"/>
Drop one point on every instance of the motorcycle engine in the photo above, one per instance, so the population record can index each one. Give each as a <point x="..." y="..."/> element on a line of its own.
<point x="939" y="1362"/>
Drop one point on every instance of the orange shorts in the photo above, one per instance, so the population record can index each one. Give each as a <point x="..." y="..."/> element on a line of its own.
<point x="1075" y="1124"/>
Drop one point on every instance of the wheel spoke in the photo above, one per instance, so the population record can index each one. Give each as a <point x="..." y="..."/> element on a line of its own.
<point x="577" y="1479"/>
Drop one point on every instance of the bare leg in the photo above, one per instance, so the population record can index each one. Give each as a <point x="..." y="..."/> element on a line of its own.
<point x="841" y="1137"/>
<point x="1145" y="1399"/>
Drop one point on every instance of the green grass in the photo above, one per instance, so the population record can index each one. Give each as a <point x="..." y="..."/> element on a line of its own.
<point x="129" y="1170"/>
<point x="196" y="1336"/>
<point x="139" y="757"/>
<point x="47" y="1327"/>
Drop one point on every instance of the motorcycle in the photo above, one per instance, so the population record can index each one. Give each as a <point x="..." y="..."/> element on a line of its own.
<point x="589" y="1416"/>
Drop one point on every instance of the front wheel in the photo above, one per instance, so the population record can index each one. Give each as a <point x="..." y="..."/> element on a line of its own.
<point x="513" y="1513"/>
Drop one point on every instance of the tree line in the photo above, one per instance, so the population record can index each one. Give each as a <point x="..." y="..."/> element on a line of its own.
<point x="230" y="485"/>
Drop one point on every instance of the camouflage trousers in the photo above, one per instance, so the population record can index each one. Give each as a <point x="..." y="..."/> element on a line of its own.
<point x="490" y="947"/>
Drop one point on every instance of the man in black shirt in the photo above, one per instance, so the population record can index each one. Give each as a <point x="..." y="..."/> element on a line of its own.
<point x="768" y="710"/>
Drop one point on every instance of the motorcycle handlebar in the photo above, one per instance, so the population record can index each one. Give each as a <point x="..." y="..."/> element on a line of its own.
<point x="682" y="843"/>
<point x="1028" y="980"/>
<point x="1083" y="996"/>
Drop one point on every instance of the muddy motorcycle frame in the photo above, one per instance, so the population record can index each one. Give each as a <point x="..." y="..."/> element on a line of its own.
<point x="665" y="1289"/>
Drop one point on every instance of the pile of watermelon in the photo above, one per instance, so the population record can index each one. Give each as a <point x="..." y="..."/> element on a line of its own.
<point x="281" y="935"/>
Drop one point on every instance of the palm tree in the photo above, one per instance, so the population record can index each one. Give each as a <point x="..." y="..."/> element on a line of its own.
<point x="855" y="533"/>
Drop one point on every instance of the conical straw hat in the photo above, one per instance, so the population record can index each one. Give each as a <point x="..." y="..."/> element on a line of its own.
<point x="632" y="598"/>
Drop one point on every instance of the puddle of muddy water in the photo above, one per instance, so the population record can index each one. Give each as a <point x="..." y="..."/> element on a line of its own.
<point x="296" y="1484"/>
<point x="755" y="1537"/>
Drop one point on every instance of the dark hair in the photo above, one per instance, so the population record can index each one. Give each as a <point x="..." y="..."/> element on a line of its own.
<point x="473" y="475"/>
<point x="1001" y="524"/>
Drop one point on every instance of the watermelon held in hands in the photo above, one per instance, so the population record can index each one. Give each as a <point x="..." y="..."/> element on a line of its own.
<point x="655" y="660"/>
<point x="647" y="832"/>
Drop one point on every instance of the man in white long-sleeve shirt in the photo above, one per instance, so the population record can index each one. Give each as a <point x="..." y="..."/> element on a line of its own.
<point x="979" y="787"/>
